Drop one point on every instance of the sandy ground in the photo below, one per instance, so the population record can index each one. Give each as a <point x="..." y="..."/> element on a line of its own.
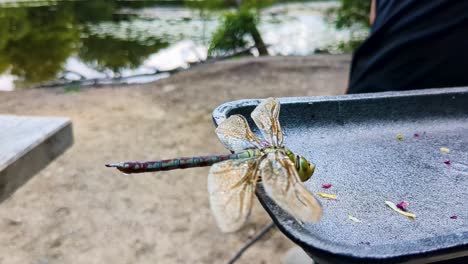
<point x="77" y="211"/>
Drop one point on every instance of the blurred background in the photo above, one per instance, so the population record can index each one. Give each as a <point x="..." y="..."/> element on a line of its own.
<point x="139" y="80"/>
<point x="43" y="43"/>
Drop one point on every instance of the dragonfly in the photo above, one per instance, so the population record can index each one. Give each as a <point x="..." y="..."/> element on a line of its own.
<point x="233" y="178"/>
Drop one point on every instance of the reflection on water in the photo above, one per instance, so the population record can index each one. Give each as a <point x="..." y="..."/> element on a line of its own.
<point x="43" y="41"/>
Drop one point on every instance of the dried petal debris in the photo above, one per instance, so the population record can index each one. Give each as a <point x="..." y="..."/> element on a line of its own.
<point x="444" y="150"/>
<point x="396" y="209"/>
<point x="327" y="196"/>
<point x="403" y="205"/>
<point x="354" y="219"/>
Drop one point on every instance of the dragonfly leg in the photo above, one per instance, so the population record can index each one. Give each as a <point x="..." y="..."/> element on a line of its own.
<point x="254" y="240"/>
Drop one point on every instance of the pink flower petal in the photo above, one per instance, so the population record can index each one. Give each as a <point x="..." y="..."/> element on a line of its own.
<point x="403" y="205"/>
<point x="416" y="135"/>
<point x="326" y="186"/>
<point x="453" y="217"/>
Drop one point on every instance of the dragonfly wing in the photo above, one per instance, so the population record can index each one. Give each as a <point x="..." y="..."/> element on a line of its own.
<point x="235" y="134"/>
<point x="231" y="186"/>
<point x="266" y="116"/>
<point x="283" y="185"/>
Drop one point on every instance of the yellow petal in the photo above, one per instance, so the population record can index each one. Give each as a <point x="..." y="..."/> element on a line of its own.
<point x="395" y="208"/>
<point x="354" y="219"/>
<point x="444" y="150"/>
<point x="326" y="195"/>
<point x="399" y="137"/>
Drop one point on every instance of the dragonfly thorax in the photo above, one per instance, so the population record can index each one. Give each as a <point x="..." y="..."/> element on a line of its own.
<point x="304" y="168"/>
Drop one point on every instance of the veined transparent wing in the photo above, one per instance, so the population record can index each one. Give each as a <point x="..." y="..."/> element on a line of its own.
<point x="266" y="116"/>
<point x="231" y="187"/>
<point x="235" y="134"/>
<point x="283" y="185"/>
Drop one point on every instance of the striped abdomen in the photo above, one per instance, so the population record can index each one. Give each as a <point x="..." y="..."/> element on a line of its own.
<point x="180" y="163"/>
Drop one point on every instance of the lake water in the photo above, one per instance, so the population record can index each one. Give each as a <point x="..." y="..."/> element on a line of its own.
<point x="109" y="41"/>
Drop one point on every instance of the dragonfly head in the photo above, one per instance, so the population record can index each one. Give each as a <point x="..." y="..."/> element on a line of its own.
<point x="304" y="168"/>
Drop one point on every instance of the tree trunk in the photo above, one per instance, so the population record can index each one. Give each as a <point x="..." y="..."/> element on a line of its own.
<point x="259" y="44"/>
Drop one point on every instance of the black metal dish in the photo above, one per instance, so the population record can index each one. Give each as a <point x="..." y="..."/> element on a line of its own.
<point x="352" y="139"/>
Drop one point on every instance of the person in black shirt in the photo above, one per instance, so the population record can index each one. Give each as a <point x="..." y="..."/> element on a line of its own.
<point x="413" y="44"/>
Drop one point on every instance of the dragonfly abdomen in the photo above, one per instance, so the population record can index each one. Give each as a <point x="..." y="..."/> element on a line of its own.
<point x="180" y="163"/>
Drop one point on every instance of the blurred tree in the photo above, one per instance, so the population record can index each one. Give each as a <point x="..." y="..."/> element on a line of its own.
<point x="13" y="27"/>
<point x="236" y="25"/>
<point x="104" y="52"/>
<point x="352" y="13"/>
<point x="354" y="16"/>
<point x="36" y="42"/>
<point x="93" y="11"/>
<point x="107" y="52"/>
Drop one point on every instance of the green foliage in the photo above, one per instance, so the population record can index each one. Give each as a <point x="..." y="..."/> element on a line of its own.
<point x="231" y="34"/>
<point x="354" y="16"/>
<point x="106" y="52"/>
<point x="35" y="41"/>
<point x="349" y="46"/>
<point x="352" y="13"/>
<point x="35" y="44"/>
<point x="93" y="11"/>
<point x="236" y="26"/>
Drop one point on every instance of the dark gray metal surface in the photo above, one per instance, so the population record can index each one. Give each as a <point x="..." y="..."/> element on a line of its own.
<point x="27" y="145"/>
<point x="353" y="141"/>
